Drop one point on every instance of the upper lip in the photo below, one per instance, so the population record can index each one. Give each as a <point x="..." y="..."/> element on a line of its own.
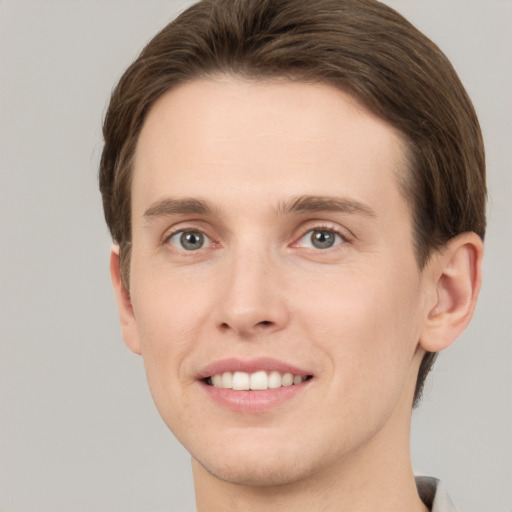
<point x="250" y="366"/>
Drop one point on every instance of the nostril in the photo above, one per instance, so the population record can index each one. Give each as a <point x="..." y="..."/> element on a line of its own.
<point x="246" y="331"/>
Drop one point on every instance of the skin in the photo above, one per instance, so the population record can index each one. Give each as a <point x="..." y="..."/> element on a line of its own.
<point x="356" y="316"/>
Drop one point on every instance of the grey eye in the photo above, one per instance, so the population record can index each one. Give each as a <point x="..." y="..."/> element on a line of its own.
<point x="189" y="240"/>
<point x="321" y="239"/>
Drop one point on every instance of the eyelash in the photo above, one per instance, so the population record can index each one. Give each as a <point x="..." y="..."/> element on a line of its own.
<point x="167" y="239"/>
<point x="343" y="238"/>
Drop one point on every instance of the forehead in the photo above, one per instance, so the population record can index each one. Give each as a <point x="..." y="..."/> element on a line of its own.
<point x="227" y="138"/>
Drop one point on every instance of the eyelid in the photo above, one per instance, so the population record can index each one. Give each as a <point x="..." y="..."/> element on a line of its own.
<point x="176" y="230"/>
<point x="343" y="233"/>
<point x="207" y="240"/>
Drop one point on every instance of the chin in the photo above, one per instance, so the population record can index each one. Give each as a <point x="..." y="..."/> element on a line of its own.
<point x="258" y="464"/>
<point x="256" y="474"/>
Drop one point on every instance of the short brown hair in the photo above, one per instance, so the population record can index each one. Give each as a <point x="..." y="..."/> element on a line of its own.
<point x="362" y="47"/>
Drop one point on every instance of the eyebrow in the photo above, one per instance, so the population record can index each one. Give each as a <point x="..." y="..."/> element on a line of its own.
<point x="172" y="206"/>
<point x="297" y="205"/>
<point x="308" y="204"/>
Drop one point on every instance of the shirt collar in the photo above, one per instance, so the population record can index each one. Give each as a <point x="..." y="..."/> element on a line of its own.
<point x="434" y="495"/>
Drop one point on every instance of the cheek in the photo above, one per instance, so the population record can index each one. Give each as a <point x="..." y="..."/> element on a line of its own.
<point x="166" y="322"/>
<point x="166" y="303"/>
<point x="168" y="319"/>
<point x="368" y="326"/>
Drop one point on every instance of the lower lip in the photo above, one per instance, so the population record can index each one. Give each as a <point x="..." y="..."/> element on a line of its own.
<point x="254" y="401"/>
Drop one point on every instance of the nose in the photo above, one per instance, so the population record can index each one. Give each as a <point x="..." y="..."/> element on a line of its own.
<point x="252" y="299"/>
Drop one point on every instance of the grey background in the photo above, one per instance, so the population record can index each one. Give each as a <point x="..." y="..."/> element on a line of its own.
<point x="78" y="429"/>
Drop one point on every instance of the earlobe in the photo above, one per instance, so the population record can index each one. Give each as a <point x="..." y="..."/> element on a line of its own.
<point x="129" y="327"/>
<point x="456" y="272"/>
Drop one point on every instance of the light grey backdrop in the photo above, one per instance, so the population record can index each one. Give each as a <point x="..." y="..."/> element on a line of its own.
<point x="78" y="429"/>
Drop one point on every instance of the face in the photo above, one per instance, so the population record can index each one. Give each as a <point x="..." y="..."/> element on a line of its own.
<point x="277" y="302"/>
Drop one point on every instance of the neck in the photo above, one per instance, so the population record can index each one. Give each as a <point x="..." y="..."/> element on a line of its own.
<point x="363" y="491"/>
<point x="373" y="478"/>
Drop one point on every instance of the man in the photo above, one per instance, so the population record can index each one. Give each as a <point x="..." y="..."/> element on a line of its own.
<point x="296" y="192"/>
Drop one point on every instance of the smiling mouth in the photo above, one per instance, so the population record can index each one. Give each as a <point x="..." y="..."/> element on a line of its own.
<point x="257" y="381"/>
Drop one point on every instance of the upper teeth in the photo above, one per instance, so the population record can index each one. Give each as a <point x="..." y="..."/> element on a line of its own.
<point x="257" y="381"/>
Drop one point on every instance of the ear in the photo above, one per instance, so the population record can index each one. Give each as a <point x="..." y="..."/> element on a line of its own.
<point x="456" y="272"/>
<point x="129" y="327"/>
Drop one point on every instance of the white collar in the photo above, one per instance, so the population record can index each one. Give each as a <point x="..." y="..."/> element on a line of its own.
<point x="434" y="495"/>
